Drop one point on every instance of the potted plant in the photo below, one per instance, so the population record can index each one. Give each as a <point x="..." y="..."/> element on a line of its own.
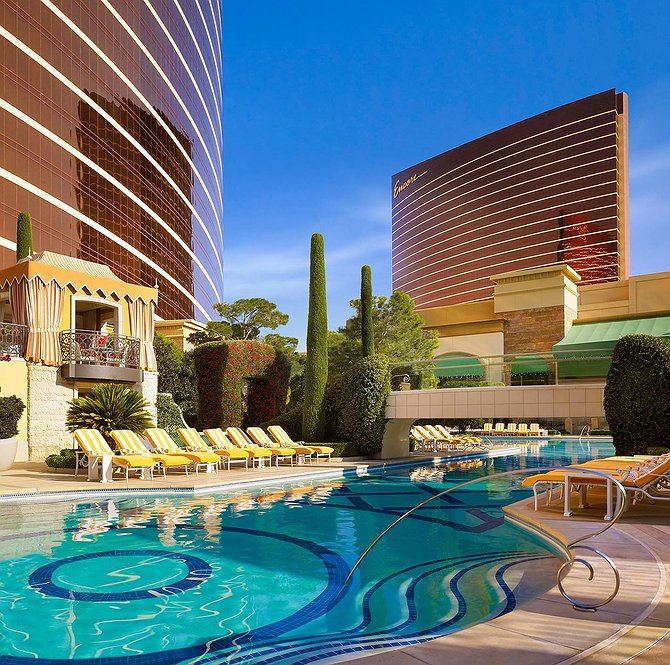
<point x="11" y="410"/>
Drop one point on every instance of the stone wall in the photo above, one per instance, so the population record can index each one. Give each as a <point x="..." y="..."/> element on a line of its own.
<point x="536" y="329"/>
<point x="149" y="390"/>
<point x="48" y="395"/>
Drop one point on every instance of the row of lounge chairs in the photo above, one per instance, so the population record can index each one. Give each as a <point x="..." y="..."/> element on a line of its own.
<point x="216" y="449"/>
<point x="511" y="429"/>
<point x="434" y="438"/>
<point x="642" y="476"/>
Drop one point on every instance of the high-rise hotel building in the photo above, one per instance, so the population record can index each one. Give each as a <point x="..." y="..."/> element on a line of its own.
<point x="111" y="138"/>
<point x="546" y="191"/>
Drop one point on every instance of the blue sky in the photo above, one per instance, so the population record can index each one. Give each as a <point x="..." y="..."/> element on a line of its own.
<point x="324" y="101"/>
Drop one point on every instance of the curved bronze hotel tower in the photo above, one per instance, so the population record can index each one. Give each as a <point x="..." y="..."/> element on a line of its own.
<point x="110" y="136"/>
<point x="547" y="190"/>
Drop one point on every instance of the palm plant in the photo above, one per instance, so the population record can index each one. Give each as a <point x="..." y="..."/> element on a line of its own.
<point x="109" y="406"/>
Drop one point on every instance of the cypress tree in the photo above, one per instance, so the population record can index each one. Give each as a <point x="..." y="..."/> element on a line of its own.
<point x="367" y="330"/>
<point x="24" y="236"/>
<point x="316" y="365"/>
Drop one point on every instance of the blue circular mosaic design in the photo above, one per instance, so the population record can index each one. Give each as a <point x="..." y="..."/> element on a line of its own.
<point x="197" y="572"/>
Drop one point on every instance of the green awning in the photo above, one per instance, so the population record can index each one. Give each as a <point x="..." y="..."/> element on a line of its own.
<point x="530" y="365"/>
<point x="586" y="350"/>
<point x="459" y="367"/>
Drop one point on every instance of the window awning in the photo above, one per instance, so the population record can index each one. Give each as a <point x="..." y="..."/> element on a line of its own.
<point x="530" y="365"/>
<point x="458" y="367"/>
<point x="586" y="349"/>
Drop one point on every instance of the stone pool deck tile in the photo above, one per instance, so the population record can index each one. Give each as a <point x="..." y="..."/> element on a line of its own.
<point x="547" y="631"/>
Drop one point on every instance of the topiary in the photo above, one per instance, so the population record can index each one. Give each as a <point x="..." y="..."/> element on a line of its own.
<point x="109" y="406"/>
<point x="66" y="459"/>
<point x="637" y="393"/>
<point x="24" y="236"/>
<point x="367" y="327"/>
<point x="359" y="404"/>
<point x="316" y="366"/>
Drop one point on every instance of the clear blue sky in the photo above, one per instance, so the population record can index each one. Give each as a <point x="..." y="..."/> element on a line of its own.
<point x="324" y="101"/>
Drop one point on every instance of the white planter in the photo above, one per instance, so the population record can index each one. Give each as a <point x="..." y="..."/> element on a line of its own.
<point x="7" y="452"/>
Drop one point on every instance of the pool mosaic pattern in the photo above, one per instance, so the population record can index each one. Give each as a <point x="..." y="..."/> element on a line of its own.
<point x="257" y="576"/>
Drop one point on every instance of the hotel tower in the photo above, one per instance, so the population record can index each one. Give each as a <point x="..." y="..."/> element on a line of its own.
<point x="111" y="138"/>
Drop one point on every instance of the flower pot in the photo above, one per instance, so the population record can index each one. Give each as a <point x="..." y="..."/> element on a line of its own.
<point x="7" y="452"/>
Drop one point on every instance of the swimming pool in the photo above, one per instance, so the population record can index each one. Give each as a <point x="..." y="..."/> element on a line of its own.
<point x="256" y="576"/>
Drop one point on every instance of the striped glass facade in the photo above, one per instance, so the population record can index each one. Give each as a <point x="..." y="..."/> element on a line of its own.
<point x="551" y="189"/>
<point x="111" y="138"/>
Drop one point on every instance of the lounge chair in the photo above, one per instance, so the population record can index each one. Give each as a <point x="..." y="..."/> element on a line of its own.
<point x="162" y="442"/>
<point x="443" y="439"/>
<point x="467" y="441"/>
<point x="279" y="434"/>
<point x="499" y="429"/>
<point x="239" y="437"/>
<point x="510" y="430"/>
<point x="534" y="429"/>
<point x="522" y="430"/>
<point x="222" y="447"/>
<point x="488" y="429"/>
<point x="424" y="438"/>
<point x="93" y="443"/>
<point x="130" y="443"/>
<point x="258" y="435"/>
<point x="639" y="478"/>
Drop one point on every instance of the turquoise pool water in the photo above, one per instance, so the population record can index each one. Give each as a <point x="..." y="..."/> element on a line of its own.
<point x="256" y="576"/>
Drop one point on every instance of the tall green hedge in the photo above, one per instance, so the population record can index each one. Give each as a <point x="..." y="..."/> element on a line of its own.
<point x="316" y="365"/>
<point x="367" y="327"/>
<point x="637" y="393"/>
<point x="358" y="404"/>
<point x="24" y="236"/>
<point x="220" y="369"/>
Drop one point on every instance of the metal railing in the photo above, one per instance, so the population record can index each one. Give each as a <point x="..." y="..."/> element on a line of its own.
<point x="89" y="347"/>
<point x="13" y="338"/>
<point x="571" y="560"/>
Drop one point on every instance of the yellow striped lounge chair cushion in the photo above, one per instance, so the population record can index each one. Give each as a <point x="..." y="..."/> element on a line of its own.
<point x="128" y="442"/>
<point x="239" y="437"/>
<point x="218" y="439"/>
<point x="192" y="439"/>
<point x="280" y="435"/>
<point x="92" y="442"/>
<point x="162" y="441"/>
<point x="260" y="437"/>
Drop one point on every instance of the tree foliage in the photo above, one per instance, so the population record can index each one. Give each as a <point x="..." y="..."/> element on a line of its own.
<point x="367" y="328"/>
<point x="398" y="334"/>
<point x="637" y="393"/>
<point x="24" y="236"/>
<point x="215" y="331"/>
<point x="316" y="365"/>
<point x="176" y="376"/>
<point x="246" y="317"/>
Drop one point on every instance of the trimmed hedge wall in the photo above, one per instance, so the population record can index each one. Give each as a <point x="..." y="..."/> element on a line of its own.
<point x="357" y="404"/>
<point x="168" y="414"/>
<point x="220" y="368"/>
<point x="637" y="394"/>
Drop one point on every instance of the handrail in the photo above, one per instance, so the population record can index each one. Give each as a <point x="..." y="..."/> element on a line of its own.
<point x="586" y="431"/>
<point x="564" y="569"/>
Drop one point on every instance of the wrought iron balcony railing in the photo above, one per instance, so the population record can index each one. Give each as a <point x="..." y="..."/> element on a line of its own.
<point x="88" y="347"/>
<point x="13" y="337"/>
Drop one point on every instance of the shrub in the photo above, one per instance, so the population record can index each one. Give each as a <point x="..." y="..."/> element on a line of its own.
<point x="445" y="382"/>
<point x="637" y="393"/>
<point x="657" y="450"/>
<point x="316" y="366"/>
<point x="11" y="410"/>
<point x="64" y="460"/>
<point x="221" y="368"/>
<point x="168" y="414"/>
<point x="359" y="403"/>
<point x="24" y="236"/>
<point x="109" y="406"/>
<point x="290" y="420"/>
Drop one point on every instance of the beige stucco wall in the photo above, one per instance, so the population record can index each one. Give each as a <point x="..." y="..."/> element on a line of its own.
<point x="14" y="381"/>
<point x="480" y="345"/>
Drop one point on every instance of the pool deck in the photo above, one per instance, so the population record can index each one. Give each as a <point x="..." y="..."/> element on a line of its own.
<point x="634" y="628"/>
<point x="27" y="481"/>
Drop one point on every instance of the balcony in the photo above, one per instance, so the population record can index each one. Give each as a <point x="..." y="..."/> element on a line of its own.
<point x="89" y="355"/>
<point x="12" y="340"/>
